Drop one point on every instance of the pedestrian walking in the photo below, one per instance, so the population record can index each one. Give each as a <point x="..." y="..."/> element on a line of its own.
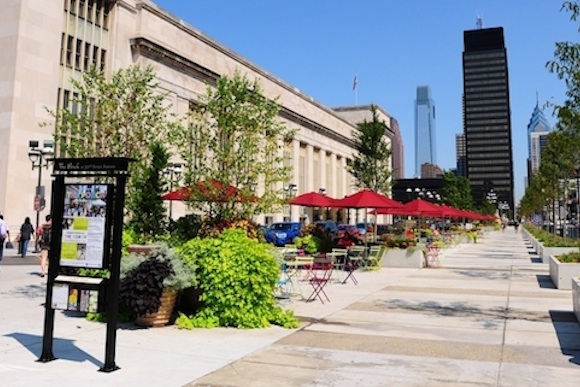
<point x="26" y="232"/>
<point x="45" y="238"/>
<point x="516" y="225"/>
<point x="4" y="234"/>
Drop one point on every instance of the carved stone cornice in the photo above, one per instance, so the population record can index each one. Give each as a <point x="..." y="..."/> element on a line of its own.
<point x="154" y="51"/>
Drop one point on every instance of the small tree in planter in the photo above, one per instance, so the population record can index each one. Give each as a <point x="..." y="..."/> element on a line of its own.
<point x="149" y="220"/>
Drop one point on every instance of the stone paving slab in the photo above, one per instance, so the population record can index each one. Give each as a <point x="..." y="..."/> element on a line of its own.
<point x="489" y="317"/>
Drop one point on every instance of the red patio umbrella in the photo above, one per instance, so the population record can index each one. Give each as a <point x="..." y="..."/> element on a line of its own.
<point x="366" y="198"/>
<point x="417" y="207"/>
<point x="312" y="199"/>
<point x="207" y="190"/>
<point x="450" y="212"/>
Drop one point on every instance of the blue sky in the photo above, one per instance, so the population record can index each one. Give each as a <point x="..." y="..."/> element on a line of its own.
<point x="393" y="47"/>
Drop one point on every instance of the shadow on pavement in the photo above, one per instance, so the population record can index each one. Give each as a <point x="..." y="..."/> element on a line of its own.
<point x="62" y="348"/>
<point x="545" y="282"/>
<point x="28" y="291"/>
<point x="568" y="332"/>
<point x="491" y="274"/>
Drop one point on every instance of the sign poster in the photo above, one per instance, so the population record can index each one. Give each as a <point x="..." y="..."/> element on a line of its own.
<point x="83" y="230"/>
<point x="60" y="296"/>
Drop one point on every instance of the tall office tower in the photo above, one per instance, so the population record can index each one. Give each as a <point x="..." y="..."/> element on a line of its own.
<point x="397" y="151"/>
<point x="425" y="151"/>
<point x="538" y="130"/>
<point x="486" y="115"/>
<point x="460" y="155"/>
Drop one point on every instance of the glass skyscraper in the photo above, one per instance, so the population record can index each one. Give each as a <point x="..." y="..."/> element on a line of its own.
<point x="425" y="148"/>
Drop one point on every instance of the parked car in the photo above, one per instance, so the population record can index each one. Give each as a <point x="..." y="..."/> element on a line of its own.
<point x="328" y="225"/>
<point x="350" y="228"/>
<point x="283" y="233"/>
<point x="364" y="227"/>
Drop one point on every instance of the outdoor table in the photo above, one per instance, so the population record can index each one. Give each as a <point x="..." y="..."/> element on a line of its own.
<point x="299" y="268"/>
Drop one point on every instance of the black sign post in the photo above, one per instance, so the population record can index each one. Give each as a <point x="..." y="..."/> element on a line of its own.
<point x="87" y="228"/>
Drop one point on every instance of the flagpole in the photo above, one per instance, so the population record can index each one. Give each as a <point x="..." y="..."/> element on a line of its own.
<point x="355" y="89"/>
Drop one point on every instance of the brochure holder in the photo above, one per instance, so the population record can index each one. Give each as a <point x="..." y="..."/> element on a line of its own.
<point x="79" y="294"/>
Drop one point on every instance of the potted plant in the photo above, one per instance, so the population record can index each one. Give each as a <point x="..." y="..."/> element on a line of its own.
<point x="563" y="268"/>
<point x="403" y="252"/>
<point x="150" y="284"/>
<point x="308" y="243"/>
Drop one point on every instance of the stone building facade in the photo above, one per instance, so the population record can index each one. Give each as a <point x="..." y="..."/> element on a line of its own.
<point x="48" y="42"/>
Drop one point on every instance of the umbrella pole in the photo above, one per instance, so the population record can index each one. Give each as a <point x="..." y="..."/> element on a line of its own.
<point x="366" y="236"/>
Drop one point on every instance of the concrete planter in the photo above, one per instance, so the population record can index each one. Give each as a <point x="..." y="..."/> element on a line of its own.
<point x="562" y="273"/>
<point x="548" y="252"/>
<point x="576" y="297"/>
<point x="404" y="258"/>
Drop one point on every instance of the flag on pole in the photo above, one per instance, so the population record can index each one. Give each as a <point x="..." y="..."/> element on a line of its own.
<point x="355" y="83"/>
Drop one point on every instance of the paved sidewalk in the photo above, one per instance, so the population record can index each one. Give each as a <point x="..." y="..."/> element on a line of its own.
<point x="490" y="316"/>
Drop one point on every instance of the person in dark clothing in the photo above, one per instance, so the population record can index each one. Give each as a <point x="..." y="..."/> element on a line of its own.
<point x="26" y="231"/>
<point x="45" y="244"/>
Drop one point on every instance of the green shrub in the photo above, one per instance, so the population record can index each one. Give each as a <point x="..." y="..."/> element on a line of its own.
<point x="569" y="257"/>
<point x="549" y="239"/>
<point x="237" y="275"/>
<point x="310" y="243"/>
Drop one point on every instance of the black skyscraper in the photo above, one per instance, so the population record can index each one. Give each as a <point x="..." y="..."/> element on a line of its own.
<point x="486" y="115"/>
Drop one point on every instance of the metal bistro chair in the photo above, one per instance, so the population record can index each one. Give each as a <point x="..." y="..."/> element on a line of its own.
<point x="283" y="289"/>
<point x="432" y="255"/>
<point x="374" y="258"/>
<point x="352" y="265"/>
<point x="321" y="273"/>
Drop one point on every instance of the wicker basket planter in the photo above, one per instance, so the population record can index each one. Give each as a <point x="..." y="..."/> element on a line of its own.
<point x="163" y="315"/>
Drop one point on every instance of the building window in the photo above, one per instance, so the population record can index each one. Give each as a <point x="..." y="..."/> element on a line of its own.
<point x="95" y="55"/>
<point x="87" y="54"/>
<point x="78" y="54"/>
<point x="81" y="9"/>
<point x="103" y="55"/>
<point x="69" y="50"/>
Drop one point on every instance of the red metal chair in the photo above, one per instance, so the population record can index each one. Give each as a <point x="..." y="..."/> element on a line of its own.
<point x="352" y="265"/>
<point x="321" y="273"/>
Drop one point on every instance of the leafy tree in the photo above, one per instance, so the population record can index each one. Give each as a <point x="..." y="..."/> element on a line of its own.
<point x="371" y="166"/>
<point x="566" y="65"/>
<point x="234" y="137"/>
<point x="116" y="117"/>
<point x="456" y="191"/>
<point x="150" y="220"/>
<point x="487" y="207"/>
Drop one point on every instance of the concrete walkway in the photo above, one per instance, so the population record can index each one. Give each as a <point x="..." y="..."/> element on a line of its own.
<point x="490" y="317"/>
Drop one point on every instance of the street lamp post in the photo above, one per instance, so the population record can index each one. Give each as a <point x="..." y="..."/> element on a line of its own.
<point x="174" y="173"/>
<point x="38" y="158"/>
<point x="492" y="198"/>
<point x="290" y="192"/>
<point x="322" y="191"/>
